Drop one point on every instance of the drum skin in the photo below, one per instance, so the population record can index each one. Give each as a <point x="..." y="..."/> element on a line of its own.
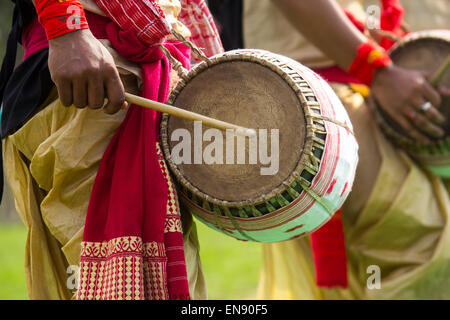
<point x="318" y="151"/>
<point x="425" y="51"/>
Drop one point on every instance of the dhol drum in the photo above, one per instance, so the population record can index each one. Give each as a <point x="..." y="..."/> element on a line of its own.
<point x="426" y="51"/>
<point x="298" y="169"/>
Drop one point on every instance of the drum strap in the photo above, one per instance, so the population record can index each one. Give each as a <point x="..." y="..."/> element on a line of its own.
<point x="336" y="122"/>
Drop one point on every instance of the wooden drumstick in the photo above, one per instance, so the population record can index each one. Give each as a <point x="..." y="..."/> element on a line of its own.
<point x="188" y="115"/>
<point x="437" y="76"/>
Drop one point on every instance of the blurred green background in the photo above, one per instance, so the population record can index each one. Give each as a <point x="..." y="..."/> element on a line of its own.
<point x="231" y="267"/>
<point x="12" y="255"/>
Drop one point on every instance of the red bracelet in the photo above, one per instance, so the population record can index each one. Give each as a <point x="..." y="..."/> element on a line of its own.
<point x="59" y="17"/>
<point x="370" y="58"/>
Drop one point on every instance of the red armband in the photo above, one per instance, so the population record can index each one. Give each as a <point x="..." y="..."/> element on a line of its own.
<point x="370" y="58"/>
<point x="391" y="20"/>
<point x="59" y="17"/>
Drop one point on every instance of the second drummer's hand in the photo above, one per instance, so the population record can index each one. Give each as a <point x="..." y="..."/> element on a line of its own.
<point x="401" y="93"/>
<point x="84" y="72"/>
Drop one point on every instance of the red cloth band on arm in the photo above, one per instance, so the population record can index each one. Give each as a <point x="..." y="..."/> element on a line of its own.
<point x="59" y="17"/>
<point x="391" y="20"/>
<point x="370" y="58"/>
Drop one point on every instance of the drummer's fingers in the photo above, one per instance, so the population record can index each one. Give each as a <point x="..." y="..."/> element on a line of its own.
<point x="406" y="124"/>
<point x="431" y="94"/>
<point x="444" y="91"/>
<point x="431" y="113"/>
<point x="115" y="93"/>
<point x="422" y="123"/>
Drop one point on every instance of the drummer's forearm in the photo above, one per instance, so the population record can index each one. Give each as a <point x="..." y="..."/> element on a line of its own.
<point x="325" y="25"/>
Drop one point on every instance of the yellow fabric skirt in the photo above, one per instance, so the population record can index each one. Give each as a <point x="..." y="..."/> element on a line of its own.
<point x="396" y="228"/>
<point x="50" y="165"/>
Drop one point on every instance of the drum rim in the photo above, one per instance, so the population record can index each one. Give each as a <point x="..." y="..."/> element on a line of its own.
<point x="436" y="34"/>
<point x="435" y="147"/>
<point x="275" y="63"/>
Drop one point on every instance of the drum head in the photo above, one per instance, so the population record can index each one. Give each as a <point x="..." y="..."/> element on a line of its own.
<point x="425" y="51"/>
<point x="251" y="95"/>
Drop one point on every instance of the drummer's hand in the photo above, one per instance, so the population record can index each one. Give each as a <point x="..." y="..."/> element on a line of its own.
<point x="84" y="72"/>
<point x="401" y="93"/>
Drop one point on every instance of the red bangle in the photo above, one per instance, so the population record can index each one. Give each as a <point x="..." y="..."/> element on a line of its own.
<point x="370" y="58"/>
<point x="59" y="17"/>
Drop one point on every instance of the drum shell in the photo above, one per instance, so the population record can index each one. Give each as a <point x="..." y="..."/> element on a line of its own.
<point x="329" y="187"/>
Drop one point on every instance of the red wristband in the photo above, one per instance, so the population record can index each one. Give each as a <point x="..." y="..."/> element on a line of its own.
<point x="370" y="58"/>
<point x="59" y="17"/>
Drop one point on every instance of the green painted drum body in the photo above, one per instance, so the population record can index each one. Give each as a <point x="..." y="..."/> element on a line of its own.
<point x="425" y="51"/>
<point x="302" y="127"/>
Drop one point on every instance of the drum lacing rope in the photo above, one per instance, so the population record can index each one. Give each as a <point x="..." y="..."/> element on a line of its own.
<point x="218" y="214"/>
<point x="236" y="225"/>
<point x="199" y="53"/>
<point x="304" y="184"/>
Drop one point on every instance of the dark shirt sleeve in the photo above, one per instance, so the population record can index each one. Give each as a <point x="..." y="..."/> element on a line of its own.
<point x="25" y="87"/>
<point x="228" y="15"/>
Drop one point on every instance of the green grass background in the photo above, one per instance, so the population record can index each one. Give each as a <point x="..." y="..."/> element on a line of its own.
<point x="12" y="256"/>
<point x="231" y="267"/>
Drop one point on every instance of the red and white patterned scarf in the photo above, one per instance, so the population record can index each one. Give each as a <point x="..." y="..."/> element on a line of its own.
<point x="132" y="243"/>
